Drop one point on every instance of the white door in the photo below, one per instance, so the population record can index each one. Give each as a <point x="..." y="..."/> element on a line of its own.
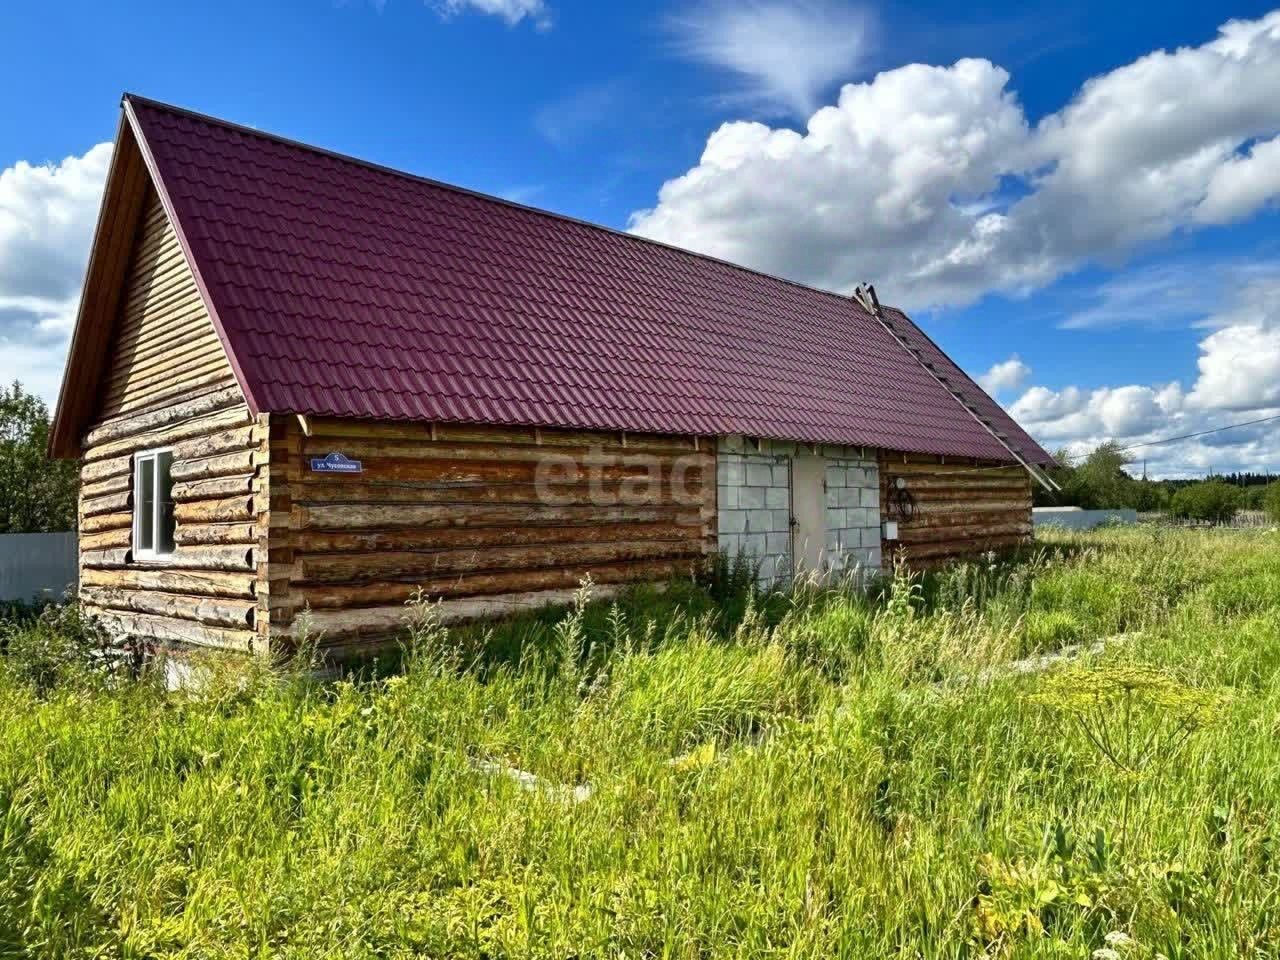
<point x="808" y="513"/>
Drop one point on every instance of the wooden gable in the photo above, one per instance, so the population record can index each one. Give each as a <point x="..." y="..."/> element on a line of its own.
<point x="164" y="344"/>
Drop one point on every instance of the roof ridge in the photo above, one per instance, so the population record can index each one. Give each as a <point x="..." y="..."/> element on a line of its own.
<point x="468" y="191"/>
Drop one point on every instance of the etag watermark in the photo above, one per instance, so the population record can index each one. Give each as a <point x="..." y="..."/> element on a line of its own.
<point x="612" y="479"/>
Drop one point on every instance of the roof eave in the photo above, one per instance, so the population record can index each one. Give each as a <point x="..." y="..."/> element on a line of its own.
<point x="74" y="392"/>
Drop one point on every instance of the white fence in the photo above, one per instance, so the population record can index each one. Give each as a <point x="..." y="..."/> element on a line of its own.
<point x="1072" y="518"/>
<point x="36" y="565"/>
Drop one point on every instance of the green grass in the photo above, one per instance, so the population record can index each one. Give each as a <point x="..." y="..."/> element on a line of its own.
<point x="808" y="775"/>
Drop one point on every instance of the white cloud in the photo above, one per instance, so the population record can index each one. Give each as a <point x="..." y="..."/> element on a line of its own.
<point x="1238" y="379"/>
<point x="47" y="216"/>
<point x="1242" y="184"/>
<point x="569" y="120"/>
<point x="511" y="11"/>
<point x="1006" y="375"/>
<point x="36" y="365"/>
<point x="1239" y="364"/>
<point x="930" y="181"/>
<point x="787" y="53"/>
<point x="1111" y="412"/>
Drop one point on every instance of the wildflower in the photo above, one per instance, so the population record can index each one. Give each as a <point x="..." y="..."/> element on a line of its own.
<point x="1104" y="953"/>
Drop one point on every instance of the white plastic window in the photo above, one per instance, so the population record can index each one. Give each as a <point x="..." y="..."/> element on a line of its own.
<point x="152" y="505"/>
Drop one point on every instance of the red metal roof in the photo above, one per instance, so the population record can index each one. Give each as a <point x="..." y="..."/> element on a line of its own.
<point x="346" y="289"/>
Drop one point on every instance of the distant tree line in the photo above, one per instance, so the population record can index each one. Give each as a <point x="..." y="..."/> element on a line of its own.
<point x="1103" y="482"/>
<point x="37" y="495"/>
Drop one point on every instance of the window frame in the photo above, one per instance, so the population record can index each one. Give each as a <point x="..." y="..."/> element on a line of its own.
<point x="149" y="459"/>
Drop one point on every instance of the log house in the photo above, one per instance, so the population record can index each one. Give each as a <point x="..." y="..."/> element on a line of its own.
<point x="304" y="389"/>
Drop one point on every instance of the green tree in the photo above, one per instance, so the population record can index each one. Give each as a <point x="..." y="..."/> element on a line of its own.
<point x="1271" y="500"/>
<point x="37" y="495"/>
<point x="1099" y="483"/>
<point x="1212" y="501"/>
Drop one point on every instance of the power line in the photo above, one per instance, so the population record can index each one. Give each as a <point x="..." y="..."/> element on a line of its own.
<point x="1202" y="433"/>
<point x="1132" y="446"/>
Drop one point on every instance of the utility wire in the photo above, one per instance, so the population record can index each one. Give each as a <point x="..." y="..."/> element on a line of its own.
<point x="1132" y="446"/>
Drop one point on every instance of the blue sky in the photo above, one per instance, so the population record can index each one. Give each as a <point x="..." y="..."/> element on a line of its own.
<point x="1077" y="202"/>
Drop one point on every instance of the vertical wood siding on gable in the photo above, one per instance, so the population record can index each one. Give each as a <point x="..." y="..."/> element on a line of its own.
<point x="164" y="345"/>
<point x="962" y="508"/>
<point x="457" y="512"/>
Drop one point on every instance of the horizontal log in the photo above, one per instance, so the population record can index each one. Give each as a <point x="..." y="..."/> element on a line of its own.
<point x="213" y="511"/>
<point x="925" y="487"/>
<point x="941" y="508"/>
<point x="481" y="584"/>
<point x="212" y="488"/>
<point x="106" y="521"/>
<point x="961" y="534"/>
<point x="171" y="415"/>
<point x="552" y="468"/>
<point x="193" y="534"/>
<point x="150" y="627"/>
<point x="115" y="484"/>
<point x="210" y="611"/>
<point x="161" y="398"/>
<point x="363" y="567"/>
<point x="117" y="537"/>
<point x="205" y="583"/>
<point x="107" y="469"/>
<point x="373" y="448"/>
<point x="201" y="426"/>
<point x="332" y="626"/>
<point x="325" y="429"/>
<point x="964" y="515"/>
<point x="891" y="458"/>
<point x="638" y="494"/>
<point x="440" y="538"/>
<point x="223" y="441"/>
<point x="221" y="465"/>
<point x="106" y="559"/>
<point x="214" y="557"/>
<point x="931" y="553"/>
<point x="963" y="525"/>
<point x="110" y="503"/>
<point x="358" y="516"/>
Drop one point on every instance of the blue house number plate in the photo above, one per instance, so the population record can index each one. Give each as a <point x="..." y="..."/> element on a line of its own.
<point x="336" y="463"/>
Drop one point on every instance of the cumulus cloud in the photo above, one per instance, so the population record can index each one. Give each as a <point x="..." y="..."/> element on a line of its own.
<point x="1242" y="184"/>
<point x="1238" y="379"/>
<point x="1239" y="363"/>
<point x="1006" y="375"/>
<point x="930" y="181"/>
<point x="47" y="216"/>
<point x="511" y="11"/>
<point x="787" y="54"/>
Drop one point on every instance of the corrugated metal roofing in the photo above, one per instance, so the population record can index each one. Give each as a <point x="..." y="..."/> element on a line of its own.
<point x="346" y="289"/>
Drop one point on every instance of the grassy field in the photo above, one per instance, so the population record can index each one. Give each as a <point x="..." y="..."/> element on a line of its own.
<point x="804" y="775"/>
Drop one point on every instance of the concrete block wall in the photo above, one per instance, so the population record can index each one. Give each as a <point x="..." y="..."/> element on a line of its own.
<point x="853" y="512"/>
<point x="753" y="491"/>
<point x="753" y="480"/>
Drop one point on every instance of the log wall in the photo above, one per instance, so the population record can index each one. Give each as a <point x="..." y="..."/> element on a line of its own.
<point x="208" y="592"/>
<point x="468" y="515"/>
<point x="169" y="384"/>
<point x="962" y="508"/>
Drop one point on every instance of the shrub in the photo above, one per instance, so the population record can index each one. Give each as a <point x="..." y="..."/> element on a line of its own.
<point x="61" y="644"/>
<point x="1271" y="501"/>
<point x="1212" y="501"/>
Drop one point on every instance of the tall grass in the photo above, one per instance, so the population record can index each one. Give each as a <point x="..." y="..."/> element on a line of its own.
<point x="807" y="774"/>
